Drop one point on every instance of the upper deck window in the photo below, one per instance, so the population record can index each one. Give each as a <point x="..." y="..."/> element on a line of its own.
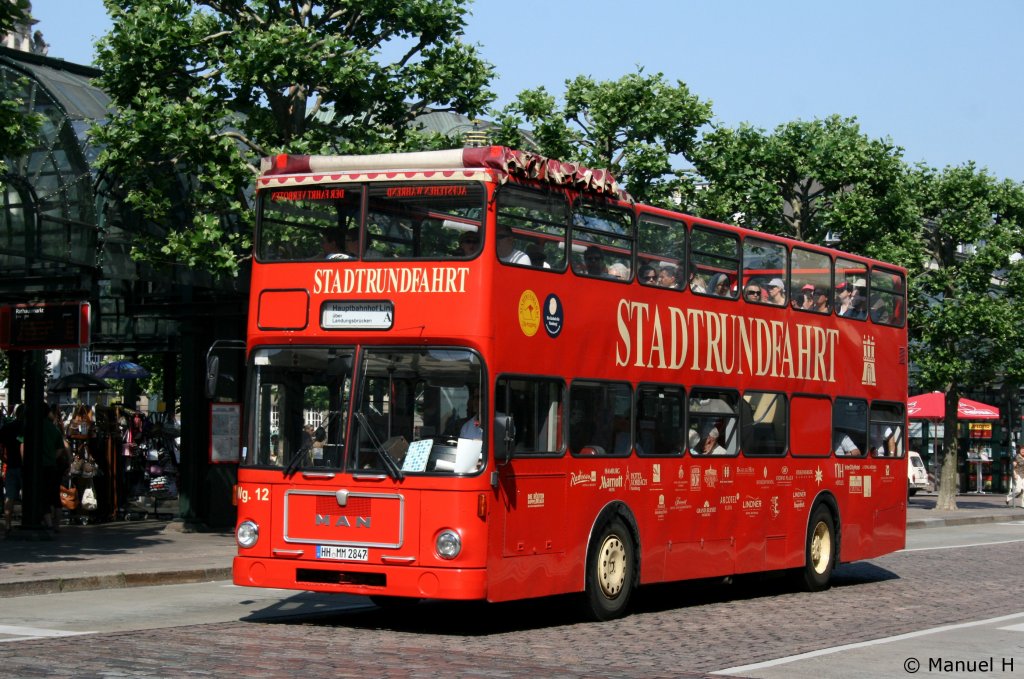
<point x="536" y="224"/>
<point x="304" y="223"/>
<point x="714" y="262"/>
<point x="812" y="281"/>
<point x="661" y="247"/>
<point x="402" y="221"/>
<point x="423" y="221"/>
<point x="851" y="289"/>
<point x="602" y="241"/>
<point x="765" y="272"/>
<point x="887" y="303"/>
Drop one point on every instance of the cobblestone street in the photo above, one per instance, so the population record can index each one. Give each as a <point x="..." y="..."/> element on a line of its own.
<point x="681" y="630"/>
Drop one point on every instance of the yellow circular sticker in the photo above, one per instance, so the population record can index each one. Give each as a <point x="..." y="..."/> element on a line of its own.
<point x="529" y="313"/>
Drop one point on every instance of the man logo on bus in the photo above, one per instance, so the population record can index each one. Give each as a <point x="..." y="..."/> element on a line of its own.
<point x="342" y="521"/>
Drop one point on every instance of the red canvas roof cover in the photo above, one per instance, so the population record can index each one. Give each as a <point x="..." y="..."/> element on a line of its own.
<point x="506" y="161"/>
<point x="933" y="407"/>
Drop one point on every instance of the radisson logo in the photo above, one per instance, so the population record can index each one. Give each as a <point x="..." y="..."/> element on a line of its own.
<point x="343" y="521"/>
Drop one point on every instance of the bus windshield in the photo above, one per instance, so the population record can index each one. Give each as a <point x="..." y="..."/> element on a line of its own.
<point x="419" y="410"/>
<point x="407" y="221"/>
<point x="301" y="400"/>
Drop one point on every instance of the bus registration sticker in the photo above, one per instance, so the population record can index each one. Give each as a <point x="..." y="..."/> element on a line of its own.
<point x="357" y="315"/>
<point x="342" y="553"/>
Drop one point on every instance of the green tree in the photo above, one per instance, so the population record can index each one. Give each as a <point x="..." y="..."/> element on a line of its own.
<point x="203" y="89"/>
<point x="639" y="127"/>
<point x="17" y="130"/>
<point x="809" y="179"/>
<point x="964" y="315"/>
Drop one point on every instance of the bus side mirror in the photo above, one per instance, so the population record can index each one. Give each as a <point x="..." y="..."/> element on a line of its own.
<point x="212" y="374"/>
<point x="507" y="438"/>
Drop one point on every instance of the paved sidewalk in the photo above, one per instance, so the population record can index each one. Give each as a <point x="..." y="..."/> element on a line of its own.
<point x="156" y="552"/>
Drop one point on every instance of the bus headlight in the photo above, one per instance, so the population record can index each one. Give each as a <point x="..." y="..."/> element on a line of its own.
<point x="247" y="534"/>
<point x="448" y="544"/>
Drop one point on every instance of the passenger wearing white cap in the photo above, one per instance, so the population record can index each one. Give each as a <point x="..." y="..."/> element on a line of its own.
<point x="710" y="445"/>
<point x="776" y="292"/>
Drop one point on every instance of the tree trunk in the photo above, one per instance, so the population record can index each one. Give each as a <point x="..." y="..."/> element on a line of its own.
<point x="948" y="477"/>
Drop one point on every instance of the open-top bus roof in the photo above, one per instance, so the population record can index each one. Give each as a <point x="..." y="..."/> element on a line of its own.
<point x="504" y="160"/>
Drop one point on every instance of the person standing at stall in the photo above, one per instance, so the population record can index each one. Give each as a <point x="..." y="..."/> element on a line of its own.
<point x="53" y="454"/>
<point x="12" y="436"/>
<point x="1017" y="467"/>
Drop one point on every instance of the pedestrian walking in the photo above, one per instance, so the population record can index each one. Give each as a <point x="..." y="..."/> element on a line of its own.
<point x="1017" y="489"/>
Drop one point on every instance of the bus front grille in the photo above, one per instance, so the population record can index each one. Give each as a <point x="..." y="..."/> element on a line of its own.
<point x="337" y="577"/>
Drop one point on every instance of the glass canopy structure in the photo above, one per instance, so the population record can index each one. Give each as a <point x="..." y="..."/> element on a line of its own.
<point x="65" y="237"/>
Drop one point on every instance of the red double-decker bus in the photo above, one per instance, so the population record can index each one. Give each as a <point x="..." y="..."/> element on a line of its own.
<point x="484" y="374"/>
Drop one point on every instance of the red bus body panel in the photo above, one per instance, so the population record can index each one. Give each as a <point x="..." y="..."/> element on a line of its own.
<point x="526" y="525"/>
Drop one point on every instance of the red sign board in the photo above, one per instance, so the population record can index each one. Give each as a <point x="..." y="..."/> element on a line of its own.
<point x="44" y="326"/>
<point x="980" y="430"/>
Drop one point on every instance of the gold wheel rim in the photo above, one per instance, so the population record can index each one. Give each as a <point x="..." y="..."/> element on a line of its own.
<point x="821" y="548"/>
<point x="611" y="566"/>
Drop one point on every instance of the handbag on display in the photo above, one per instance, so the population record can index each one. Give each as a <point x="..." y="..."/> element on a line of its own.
<point x="69" y="497"/>
<point x="88" y="500"/>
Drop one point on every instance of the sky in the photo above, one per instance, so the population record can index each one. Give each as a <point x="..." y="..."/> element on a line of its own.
<point x="942" y="79"/>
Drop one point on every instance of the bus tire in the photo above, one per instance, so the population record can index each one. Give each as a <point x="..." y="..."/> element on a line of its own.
<point x="820" y="551"/>
<point x="611" y="571"/>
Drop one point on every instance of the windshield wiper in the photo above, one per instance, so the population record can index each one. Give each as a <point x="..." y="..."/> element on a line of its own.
<point x="295" y="462"/>
<point x="390" y="465"/>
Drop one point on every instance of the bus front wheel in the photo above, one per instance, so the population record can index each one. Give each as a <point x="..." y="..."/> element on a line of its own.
<point x="611" y="571"/>
<point x="821" y="550"/>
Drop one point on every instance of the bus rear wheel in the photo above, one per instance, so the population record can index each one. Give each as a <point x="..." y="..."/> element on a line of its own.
<point x="820" y="552"/>
<point x="611" y="571"/>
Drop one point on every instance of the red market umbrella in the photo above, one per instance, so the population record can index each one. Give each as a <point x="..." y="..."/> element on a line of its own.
<point x="933" y="407"/>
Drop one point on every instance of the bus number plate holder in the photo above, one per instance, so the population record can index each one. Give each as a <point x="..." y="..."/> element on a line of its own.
<point x="342" y="553"/>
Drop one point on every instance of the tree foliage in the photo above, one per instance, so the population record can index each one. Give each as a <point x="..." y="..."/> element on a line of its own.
<point x="640" y="127"/>
<point x="964" y="315"/>
<point x="203" y="89"/>
<point x="807" y="180"/>
<point x="18" y="131"/>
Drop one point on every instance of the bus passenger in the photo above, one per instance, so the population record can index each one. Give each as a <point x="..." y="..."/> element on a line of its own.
<point x="880" y="311"/>
<point x="618" y="270"/>
<point x="711" y="446"/>
<point x="752" y="293"/>
<point x="535" y="251"/>
<point x="696" y="281"/>
<point x="820" y="300"/>
<point x="647" y="275"/>
<point x="593" y="259"/>
<point x="805" y="298"/>
<point x="667" y="277"/>
<point x="843" y="299"/>
<point x="777" y="292"/>
<point x="507" y="251"/>
<point x="720" y="285"/>
<point x="859" y="300"/>
<point x="333" y="243"/>
<point x="844" y="445"/>
<point x="889" y="447"/>
<point x="469" y="243"/>
<point x="694" y="441"/>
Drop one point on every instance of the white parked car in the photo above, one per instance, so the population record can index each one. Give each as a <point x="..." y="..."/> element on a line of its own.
<point x="917" y="475"/>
